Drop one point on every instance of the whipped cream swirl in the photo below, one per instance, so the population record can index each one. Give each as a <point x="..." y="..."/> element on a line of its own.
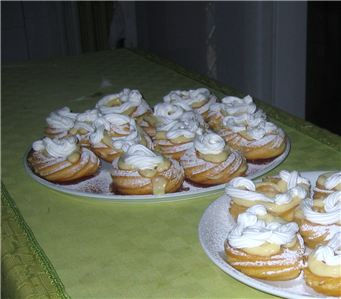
<point x="234" y="105"/>
<point x="88" y="116"/>
<point x="57" y="147"/>
<point x="104" y="123"/>
<point x="84" y="125"/>
<point x="66" y="112"/>
<point x="167" y="112"/>
<point x="209" y="143"/>
<point x="330" y="253"/>
<point x="252" y="232"/>
<point x="332" y="206"/>
<point x="141" y="157"/>
<point x="293" y="178"/>
<point x="233" y="190"/>
<point x="254" y="125"/>
<point x="129" y="99"/>
<point x="332" y="181"/>
<point x="190" y="96"/>
<point x="61" y="118"/>
<point x="177" y="128"/>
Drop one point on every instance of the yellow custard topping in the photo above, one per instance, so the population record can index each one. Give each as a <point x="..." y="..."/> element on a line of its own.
<point x="199" y="104"/>
<point x="320" y="268"/>
<point x="322" y="179"/>
<point x="159" y="185"/>
<point x="215" y="158"/>
<point x="270" y="206"/>
<point x="114" y="102"/>
<point x="265" y="249"/>
<point x="74" y="157"/>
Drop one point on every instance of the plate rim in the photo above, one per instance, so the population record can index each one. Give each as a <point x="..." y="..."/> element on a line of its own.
<point x="133" y="199"/>
<point x="261" y="285"/>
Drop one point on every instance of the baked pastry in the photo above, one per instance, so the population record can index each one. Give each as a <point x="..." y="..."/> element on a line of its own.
<point x="231" y="105"/>
<point x="62" y="159"/>
<point x="82" y="127"/>
<point x="164" y="113"/>
<point x="211" y="162"/>
<point x="272" y="185"/>
<point x="175" y="138"/>
<point x="245" y="193"/>
<point x="140" y="171"/>
<point x="59" y="123"/>
<point x="199" y="99"/>
<point x="327" y="183"/>
<point x="319" y="219"/>
<point x="127" y="102"/>
<point x="112" y="131"/>
<point x="256" y="138"/>
<point x="262" y="247"/>
<point x="323" y="270"/>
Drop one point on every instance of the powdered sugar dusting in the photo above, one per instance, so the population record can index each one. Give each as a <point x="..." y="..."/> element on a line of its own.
<point x="214" y="226"/>
<point x="188" y="191"/>
<point x="99" y="184"/>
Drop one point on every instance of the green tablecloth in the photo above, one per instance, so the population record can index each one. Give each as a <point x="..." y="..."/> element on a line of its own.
<point x="56" y="245"/>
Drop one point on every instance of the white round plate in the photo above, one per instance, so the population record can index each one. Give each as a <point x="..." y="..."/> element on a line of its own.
<point x="98" y="187"/>
<point x="214" y="226"/>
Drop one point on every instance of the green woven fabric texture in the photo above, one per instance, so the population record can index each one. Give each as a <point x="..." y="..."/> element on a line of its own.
<point x="105" y="250"/>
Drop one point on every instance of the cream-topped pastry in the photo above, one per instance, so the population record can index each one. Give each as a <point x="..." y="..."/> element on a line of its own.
<point x="253" y="136"/>
<point x="112" y="131"/>
<point x="211" y="162"/>
<point x="140" y="170"/>
<point x="319" y="219"/>
<point x="327" y="183"/>
<point x="62" y="159"/>
<point x="128" y="102"/>
<point x="83" y="126"/>
<point x="164" y="113"/>
<point x="231" y="105"/>
<point x="59" y="123"/>
<point x="284" y="181"/>
<point x="323" y="271"/>
<point x="264" y="246"/>
<point x="199" y="99"/>
<point x="175" y="138"/>
<point x="244" y="194"/>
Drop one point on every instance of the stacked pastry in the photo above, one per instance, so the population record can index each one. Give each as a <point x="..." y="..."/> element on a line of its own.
<point x="260" y="209"/>
<point x="182" y="127"/>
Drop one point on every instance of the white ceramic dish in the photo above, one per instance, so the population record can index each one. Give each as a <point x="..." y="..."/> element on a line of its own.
<point x="214" y="226"/>
<point x="97" y="188"/>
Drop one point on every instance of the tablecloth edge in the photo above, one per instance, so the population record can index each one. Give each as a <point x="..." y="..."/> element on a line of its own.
<point x="33" y="243"/>
<point x="307" y="128"/>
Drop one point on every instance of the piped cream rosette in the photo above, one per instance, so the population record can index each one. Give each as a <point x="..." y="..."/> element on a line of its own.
<point x="323" y="272"/>
<point x="140" y="170"/>
<point x="199" y="99"/>
<point x="112" y="131"/>
<point x="62" y="159"/>
<point x="265" y="246"/>
<point x="327" y="183"/>
<point x="211" y="162"/>
<point x="286" y="180"/>
<point x="244" y="194"/>
<point x="231" y="105"/>
<point x="175" y="138"/>
<point x="128" y="102"/>
<point x="59" y="123"/>
<point x="255" y="137"/>
<point x="164" y="113"/>
<point x="319" y="219"/>
<point x="83" y="126"/>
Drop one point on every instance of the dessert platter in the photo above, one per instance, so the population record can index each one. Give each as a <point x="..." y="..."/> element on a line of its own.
<point x="124" y="151"/>
<point x="219" y="231"/>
